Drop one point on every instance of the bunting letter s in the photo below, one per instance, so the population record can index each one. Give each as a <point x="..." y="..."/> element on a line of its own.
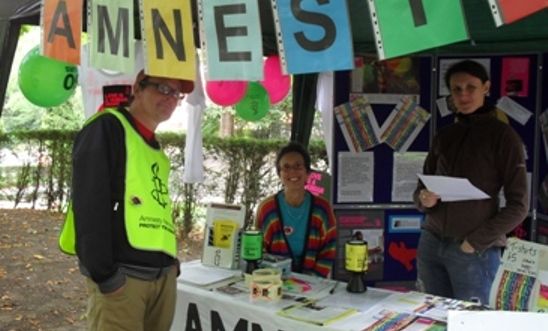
<point x="316" y="19"/>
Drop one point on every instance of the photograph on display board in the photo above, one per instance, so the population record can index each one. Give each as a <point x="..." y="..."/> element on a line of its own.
<point x="515" y="77"/>
<point x="385" y="82"/>
<point x="362" y="225"/>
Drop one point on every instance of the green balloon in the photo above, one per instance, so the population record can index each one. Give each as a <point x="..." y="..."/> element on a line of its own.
<point x="255" y="103"/>
<point x="44" y="81"/>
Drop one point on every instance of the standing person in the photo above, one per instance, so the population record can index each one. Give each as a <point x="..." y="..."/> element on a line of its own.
<point x="296" y="223"/>
<point x="120" y="223"/>
<point x="460" y="245"/>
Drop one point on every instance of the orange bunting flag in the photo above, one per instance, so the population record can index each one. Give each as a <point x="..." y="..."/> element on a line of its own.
<point x="508" y="11"/>
<point x="61" y="22"/>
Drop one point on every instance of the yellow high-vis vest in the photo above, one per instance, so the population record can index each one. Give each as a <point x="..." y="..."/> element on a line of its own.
<point x="147" y="205"/>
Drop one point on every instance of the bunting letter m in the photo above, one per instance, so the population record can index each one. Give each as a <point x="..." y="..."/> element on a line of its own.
<point x="114" y="37"/>
<point x="112" y="30"/>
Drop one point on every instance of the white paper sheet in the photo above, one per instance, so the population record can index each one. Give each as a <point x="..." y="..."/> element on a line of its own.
<point x="443" y="107"/>
<point x="404" y="182"/>
<point x="495" y="321"/>
<point x="196" y="273"/>
<point x="355" y="172"/>
<point x="452" y="188"/>
<point x="514" y="110"/>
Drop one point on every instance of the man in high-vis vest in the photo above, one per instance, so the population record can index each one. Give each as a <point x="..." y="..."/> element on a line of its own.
<point x="119" y="223"/>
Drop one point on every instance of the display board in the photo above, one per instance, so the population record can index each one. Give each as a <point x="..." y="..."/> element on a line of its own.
<point x="386" y="114"/>
<point x="541" y="187"/>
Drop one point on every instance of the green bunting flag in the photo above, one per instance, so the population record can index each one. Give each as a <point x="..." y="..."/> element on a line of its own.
<point x="407" y="26"/>
<point x="111" y="33"/>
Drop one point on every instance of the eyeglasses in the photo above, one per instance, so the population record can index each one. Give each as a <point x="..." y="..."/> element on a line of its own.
<point x="288" y="167"/>
<point x="164" y="89"/>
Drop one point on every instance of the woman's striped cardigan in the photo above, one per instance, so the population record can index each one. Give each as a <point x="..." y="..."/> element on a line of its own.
<point x="321" y="234"/>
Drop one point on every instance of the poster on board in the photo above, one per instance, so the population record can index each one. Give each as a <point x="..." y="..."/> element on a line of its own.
<point x="367" y="225"/>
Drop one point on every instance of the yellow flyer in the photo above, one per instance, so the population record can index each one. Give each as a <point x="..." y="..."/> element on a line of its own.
<point x="223" y="233"/>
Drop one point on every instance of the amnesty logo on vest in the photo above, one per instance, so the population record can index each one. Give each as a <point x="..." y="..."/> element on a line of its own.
<point x="159" y="193"/>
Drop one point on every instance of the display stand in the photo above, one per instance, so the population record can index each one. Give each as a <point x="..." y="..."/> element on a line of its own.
<point x="373" y="182"/>
<point x="224" y="225"/>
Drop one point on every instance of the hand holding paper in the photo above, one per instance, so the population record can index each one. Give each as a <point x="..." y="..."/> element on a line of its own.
<point x="452" y="188"/>
<point x="428" y="198"/>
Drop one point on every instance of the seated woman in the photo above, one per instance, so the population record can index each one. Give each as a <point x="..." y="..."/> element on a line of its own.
<point x="296" y="223"/>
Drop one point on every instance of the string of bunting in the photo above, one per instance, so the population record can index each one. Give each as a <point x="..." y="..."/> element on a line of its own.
<point x="312" y="37"/>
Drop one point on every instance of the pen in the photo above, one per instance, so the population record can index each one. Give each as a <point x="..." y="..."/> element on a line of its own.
<point x="332" y="290"/>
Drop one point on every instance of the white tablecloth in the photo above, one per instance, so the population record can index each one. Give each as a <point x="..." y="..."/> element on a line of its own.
<point x="206" y="308"/>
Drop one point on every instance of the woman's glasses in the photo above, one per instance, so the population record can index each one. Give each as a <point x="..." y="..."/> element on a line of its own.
<point x="289" y="167"/>
<point x="164" y="89"/>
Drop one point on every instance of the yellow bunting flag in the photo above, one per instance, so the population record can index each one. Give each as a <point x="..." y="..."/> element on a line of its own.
<point x="166" y="29"/>
<point x="61" y="22"/>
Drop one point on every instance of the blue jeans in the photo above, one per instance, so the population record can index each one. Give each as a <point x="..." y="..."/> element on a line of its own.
<point x="444" y="269"/>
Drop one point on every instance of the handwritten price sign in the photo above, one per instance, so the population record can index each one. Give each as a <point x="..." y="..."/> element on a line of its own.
<point x="522" y="256"/>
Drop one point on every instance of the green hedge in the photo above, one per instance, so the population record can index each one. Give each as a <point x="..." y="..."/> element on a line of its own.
<point x="237" y="170"/>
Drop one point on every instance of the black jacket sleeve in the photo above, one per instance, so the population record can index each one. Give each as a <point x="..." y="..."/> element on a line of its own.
<point x="97" y="157"/>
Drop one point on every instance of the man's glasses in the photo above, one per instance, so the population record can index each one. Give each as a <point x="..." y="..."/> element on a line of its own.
<point x="164" y="89"/>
